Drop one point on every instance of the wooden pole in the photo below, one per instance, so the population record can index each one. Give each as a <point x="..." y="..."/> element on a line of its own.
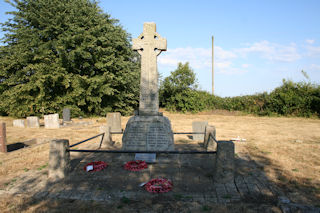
<point x="212" y="65"/>
<point x="3" y="138"/>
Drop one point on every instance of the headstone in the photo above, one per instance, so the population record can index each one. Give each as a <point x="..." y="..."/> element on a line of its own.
<point x="147" y="157"/>
<point x="149" y="130"/>
<point x="19" y="123"/>
<point x="59" y="159"/>
<point x="114" y="121"/>
<point x="3" y="138"/>
<point x="66" y="115"/>
<point x="51" y="121"/>
<point x="209" y="142"/>
<point x="199" y="127"/>
<point x="33" y="122"/>
<point x="224" y="166"/>
<point x="107" y="138"/>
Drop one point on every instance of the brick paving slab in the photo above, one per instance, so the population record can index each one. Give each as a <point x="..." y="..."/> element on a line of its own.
<point x="192" y="177"/>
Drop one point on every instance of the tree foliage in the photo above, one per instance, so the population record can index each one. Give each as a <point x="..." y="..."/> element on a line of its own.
<point x="178" y="91"/>
<point x="60" y="53"/>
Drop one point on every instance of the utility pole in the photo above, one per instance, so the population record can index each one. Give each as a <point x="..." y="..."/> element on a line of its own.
<point x="212" y="65"/>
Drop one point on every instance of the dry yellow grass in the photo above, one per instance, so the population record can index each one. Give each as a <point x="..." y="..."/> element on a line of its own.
<point x="287" y="149"/>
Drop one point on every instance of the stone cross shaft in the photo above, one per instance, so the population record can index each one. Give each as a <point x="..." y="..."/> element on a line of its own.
<point x="149" y="45"/>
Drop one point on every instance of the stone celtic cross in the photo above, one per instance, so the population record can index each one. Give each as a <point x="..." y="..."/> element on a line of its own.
<point x="149" y="45"/>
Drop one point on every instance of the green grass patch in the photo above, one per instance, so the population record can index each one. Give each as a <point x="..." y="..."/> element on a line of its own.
<point x="125" y="200"/>
<point x="205" y="208"/>
<point x="43" y="167"/>
<point x="227" y="196"/>
<point x="180" y="196"/>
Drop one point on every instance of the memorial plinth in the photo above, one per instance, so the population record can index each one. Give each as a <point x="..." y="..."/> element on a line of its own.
<point x="149" y="130"/>
<point x="148" y="133"/>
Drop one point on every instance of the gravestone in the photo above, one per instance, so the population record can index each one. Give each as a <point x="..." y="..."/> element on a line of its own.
<point x="33" y="122"/>
<point x="224" y="165"/>
<point x="59" y="159"/>
<point x="107" y="137"/>
<point x="51" y="121"/>
<point x="209" y="142"/>
<point x="19" y="123"/>
<point x="3" y="138"/>
<point x="114" y="121"/>
<point x="66" y="115"/>
<point x="148" y="130"/>
<point x="198" y="126"/>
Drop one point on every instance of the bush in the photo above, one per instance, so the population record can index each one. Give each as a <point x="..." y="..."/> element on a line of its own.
<point x="178" y="93"/>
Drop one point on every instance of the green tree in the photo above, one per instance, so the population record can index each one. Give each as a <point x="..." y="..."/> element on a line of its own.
<point x="59" y="53"/>
<point x="178" y="91"/>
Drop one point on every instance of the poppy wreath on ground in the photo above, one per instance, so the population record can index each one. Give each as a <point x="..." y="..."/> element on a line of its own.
<point x="135" y="165"/>
<point x="158" y="185"/>
<point x="95" y="166"/>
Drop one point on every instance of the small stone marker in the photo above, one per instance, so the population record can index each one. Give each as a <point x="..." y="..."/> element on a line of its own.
<point x="3" y="138"/>
<point x="224" y="167"/>
<point x="114" y="121"/>
<point x="59" y="159"/>
<point x="147" y="157"/>
<point x="66" y="115"/>
<point x="209" y="143"/>
<point x="198" y="126"/>
<point x="51" y="121"/>
<point x="107" y="138"/>
<point x="33" y="122"/>
<point x="19" y="123"/>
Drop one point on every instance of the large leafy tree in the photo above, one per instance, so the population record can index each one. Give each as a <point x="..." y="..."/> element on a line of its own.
<point x="60" y="53"/>
<point x="178" y="91"/>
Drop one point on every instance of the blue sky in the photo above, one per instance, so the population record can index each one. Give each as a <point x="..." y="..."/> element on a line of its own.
<point x="257" y="43"/>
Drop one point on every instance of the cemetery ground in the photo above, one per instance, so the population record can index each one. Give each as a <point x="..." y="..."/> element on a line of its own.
<point x="284" y="152"/>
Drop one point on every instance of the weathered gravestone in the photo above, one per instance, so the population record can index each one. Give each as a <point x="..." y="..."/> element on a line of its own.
<point x="51" y="121"/>
<point x="33" y="122"/>
<point x="19" y="123"/>
<point x="224" y="166"/>
<point x="114" y="121"/>
<point x="3" y="138"/>
<point x="59" y="159"/>
<point x="199" y="127"/>
<point x="210" y="142"/>
<point x="149" y="130"/>
<point x="66" y="115"/>
<point x="107" y="137"/>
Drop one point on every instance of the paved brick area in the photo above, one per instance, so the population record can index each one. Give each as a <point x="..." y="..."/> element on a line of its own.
<point x="191" y="174"/>
<point x="192" y="177"/>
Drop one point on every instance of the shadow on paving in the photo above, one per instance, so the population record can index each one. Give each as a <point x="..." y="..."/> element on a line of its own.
<point x="117" y="190"/>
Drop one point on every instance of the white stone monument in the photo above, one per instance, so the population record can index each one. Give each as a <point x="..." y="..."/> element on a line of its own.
<point x="114" y="121"/>
<point x="199" y="127"/>
<point x="51" y="121"/>
<point x="19" y="123"/>
<point x="149" y="130"/>
<point x="33" y="122"/>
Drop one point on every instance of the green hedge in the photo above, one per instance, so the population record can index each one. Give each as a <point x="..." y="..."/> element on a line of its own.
<point x="296" y="99"/>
